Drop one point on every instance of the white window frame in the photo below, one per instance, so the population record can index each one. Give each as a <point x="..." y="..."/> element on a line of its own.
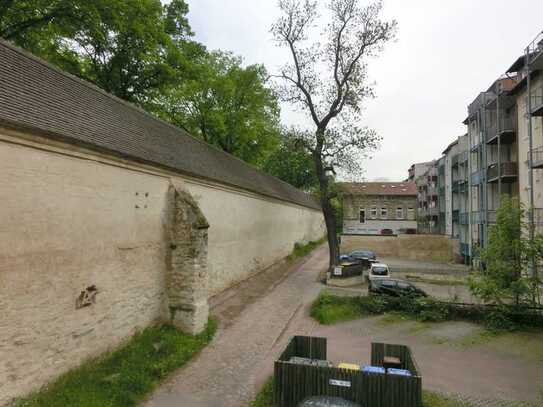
<point x="400" y="213"/>
<point x="384" y="213"/>
<point x="373" y="212"/>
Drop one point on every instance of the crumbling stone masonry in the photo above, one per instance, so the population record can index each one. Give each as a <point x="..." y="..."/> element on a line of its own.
<point x="187" y="263"/>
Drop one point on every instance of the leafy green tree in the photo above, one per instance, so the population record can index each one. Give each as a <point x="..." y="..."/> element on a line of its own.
<point x="226" y="105"/>
<point x="292" y="163"/>
<point x="502" y="278"/>
<point x="125" y="47"/>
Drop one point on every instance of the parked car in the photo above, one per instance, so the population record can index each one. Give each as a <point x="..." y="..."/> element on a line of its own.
<point x="395" y="288"/>
<point x="378" y="271"/>
<point x="363" y="255"/>
<point x="387" y="232"/>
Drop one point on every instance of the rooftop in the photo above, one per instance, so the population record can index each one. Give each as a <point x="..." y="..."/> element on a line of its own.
<point x="378" y="188"/>
<point x="39" y="99"/>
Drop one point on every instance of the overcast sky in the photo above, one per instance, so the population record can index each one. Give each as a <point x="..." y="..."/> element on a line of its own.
<point x="447" y="51"/>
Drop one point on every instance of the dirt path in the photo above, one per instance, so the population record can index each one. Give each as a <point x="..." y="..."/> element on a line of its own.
<point x="231" y="369"/>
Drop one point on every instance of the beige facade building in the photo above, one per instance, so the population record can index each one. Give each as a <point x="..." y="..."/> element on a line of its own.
<point x="374" y="208"/>
<point x="113" y="220"/>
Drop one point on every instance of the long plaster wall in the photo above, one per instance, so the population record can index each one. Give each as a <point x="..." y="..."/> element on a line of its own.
<point x="70" y="221"/>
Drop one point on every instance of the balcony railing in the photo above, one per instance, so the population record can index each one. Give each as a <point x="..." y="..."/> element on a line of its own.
<point x="537" y="157"/>
<point x="433" y="211"/>
<point x="491" y="216"/>
<point x="476" y="217"/>
<point x="455" y="216"/>
<point x="535" y="49"/>
<point x="536" y="96"/>
<point x="464" y="218"/>
<point x="505" y="131"/>
<point x="431" y="191"/>
<point x="477" y="177"/>
<point x="464" y="249"/>
<point x="507" y="171"/>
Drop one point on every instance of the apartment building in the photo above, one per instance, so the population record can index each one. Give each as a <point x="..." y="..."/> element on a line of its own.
<point x="501" y="155"/>
<point x="528" y="96"/>
<point x="430" y="212"/>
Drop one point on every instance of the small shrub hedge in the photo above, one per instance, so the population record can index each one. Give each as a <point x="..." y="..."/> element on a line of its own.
<point x="329" y="309"/>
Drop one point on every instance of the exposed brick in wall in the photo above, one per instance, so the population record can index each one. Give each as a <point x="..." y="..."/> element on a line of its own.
<point x="187" y="269"/>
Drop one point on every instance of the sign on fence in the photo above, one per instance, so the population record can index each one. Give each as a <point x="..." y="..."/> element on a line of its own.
<point x="341" y="383"/>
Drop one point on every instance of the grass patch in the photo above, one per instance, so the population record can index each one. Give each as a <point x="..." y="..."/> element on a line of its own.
<point x="430" y="399"/>
<point x="123" y="377"/>
<point x="264" y="398"/>
<point x="329" y="309"/>
<point x="301" y="249"/>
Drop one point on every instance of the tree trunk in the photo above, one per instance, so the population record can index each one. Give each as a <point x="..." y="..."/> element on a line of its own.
<point x="325" y="200"/>
<point x="331" y="234"/>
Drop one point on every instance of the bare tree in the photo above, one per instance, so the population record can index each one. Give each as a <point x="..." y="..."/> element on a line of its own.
<point x="328" y="80"/>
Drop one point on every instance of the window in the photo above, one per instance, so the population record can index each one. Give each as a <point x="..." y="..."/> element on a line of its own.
<point x="399" y="213"/>
<point x="384" y="213"/>
<point x="410" y="213"/>
<point x="362" y="215"/>
<point x="373" y="213"/>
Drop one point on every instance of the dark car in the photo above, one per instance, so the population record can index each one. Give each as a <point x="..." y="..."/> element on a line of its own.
<point x="395" y="288"/>
<point x="362" y="255"/>
<point x="387" y="232"/>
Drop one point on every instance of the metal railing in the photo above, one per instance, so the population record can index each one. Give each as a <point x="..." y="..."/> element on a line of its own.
<point x="506" y="124"/>
<point x="476" y="217"/>
<point x="477" y="177"/>
<point x="491" y="216"/>
<point x="535" y="48"/>
<point x="537" y="156"/>
<point x="464" y="218"/>
<point x="464" y="249"/>
<point x="455" y="215"/>
<point x="536" y="96"/>
<point x="507" y="169"/>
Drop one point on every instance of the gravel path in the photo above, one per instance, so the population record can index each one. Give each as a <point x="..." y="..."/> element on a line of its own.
<point x="230" y="370"/>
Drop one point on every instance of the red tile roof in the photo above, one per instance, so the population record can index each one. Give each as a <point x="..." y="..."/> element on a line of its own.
<point x="378" y="188"/>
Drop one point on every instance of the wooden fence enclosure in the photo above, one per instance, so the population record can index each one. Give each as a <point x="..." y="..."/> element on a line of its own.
<point x="295" y="382"/>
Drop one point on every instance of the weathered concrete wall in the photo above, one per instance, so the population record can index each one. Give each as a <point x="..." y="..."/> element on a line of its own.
<point x="72" y="220"/>
<point x="412" y="247"/>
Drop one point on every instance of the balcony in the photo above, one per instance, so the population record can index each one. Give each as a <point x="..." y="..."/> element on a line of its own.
<point x="464" y="249"/>
<point x="433" y="212"/>
<point x="536" y="96"/>
<point x="535" y="52"/>
<point x="431" y="191"/>
<point x="491" y="216"/>
<point x="505" y="132"/>
<point x="455" y="216"/>
<point x="463" y="218"/>
<point x="537" y="157"/>
<point x="506" y="172"/>
<point x="477" y="177"/>
<point x="538" y="220"/>
<point x="476" y="218"/>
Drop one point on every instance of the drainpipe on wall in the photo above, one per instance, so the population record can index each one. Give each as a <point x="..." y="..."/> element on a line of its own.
<point x="530" y="153"/>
